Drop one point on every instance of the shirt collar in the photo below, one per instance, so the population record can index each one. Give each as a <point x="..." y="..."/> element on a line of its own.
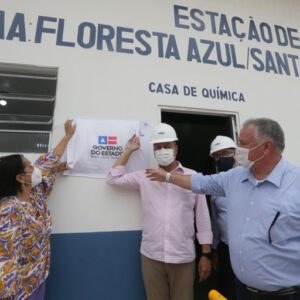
<point x="178" y="169"/>
<point x="274" y="177"/>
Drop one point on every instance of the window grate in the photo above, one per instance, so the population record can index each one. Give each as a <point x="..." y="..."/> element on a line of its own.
<point x="27" y="100"/>
<point x="24" y="142"/>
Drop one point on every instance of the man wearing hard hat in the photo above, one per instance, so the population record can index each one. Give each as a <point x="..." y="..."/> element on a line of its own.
<point x="167" y="248"/>
<point x="222" y="150"/>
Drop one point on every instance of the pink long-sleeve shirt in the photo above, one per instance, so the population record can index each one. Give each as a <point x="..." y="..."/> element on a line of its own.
<point x="168" y="215"/>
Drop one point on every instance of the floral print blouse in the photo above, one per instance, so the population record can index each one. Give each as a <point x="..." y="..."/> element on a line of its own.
<point x="25" y="235"/>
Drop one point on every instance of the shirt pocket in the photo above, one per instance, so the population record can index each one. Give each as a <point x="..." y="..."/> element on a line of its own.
<point x="282" y="230"/>
<point x="280" y="226"/>
<point x="267" y="227"/>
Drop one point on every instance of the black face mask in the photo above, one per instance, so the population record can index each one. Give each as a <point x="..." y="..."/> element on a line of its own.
<point x="225" y="163"/>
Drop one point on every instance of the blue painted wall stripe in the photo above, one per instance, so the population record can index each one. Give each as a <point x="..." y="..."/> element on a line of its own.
<point x="102" y="265"/>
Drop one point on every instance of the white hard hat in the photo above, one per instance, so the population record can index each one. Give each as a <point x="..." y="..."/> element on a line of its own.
<point x="221" y="142"/>
<point x="163" y="133"/>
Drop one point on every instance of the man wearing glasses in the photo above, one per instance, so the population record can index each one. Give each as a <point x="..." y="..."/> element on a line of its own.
<point x="222" y="150"/>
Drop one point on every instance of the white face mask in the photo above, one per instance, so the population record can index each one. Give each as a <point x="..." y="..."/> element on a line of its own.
<point x="242" y="156"/>
<point x="164" y="157"/>
<point x="36" y="177"/>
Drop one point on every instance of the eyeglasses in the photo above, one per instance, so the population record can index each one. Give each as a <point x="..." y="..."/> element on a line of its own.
<point x="222" y="154"/>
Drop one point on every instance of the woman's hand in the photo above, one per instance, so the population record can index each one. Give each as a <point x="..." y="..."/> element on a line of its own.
<point x="62" y="167"/>
<point x="69" y="128"/>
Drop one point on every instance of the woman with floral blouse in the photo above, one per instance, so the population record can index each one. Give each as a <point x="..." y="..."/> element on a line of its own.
<point x="25" y="221"/>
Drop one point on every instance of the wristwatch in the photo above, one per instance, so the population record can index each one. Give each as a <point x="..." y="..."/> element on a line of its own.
<point x="207" y="255"/>
<point x="167" y="178"/>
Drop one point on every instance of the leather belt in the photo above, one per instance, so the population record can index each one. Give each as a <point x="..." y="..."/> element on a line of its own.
<point x="281" y="292"/>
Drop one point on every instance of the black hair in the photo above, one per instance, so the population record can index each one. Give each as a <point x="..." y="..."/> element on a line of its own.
<point x="10" y="167"/>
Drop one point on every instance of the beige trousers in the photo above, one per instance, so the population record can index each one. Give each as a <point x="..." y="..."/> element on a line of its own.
<point x="165" y="281"/>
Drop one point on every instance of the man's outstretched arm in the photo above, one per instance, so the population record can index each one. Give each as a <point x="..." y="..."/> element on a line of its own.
<point x="183" y="181"/>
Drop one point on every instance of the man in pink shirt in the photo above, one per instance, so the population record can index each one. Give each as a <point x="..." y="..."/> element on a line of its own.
<point x="167" y="249"/>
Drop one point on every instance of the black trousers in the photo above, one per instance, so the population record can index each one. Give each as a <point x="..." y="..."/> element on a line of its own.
<point x="225" y="274"/>
<point x="244" y="294"/>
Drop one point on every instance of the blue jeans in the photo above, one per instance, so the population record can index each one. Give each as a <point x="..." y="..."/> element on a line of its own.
<point x="244" y="294"/>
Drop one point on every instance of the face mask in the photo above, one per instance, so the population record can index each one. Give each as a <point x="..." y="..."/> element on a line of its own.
<point x="225" y="163"/>
<point x="36" y="177"/>
<point x="242" y="155"/>
<point x="164" y="157"/>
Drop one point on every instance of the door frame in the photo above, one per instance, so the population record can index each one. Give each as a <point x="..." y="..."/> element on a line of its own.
<point x="234" y="115"/>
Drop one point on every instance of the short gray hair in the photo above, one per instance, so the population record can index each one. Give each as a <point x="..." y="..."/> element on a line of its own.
<point x="268" y="129"/>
